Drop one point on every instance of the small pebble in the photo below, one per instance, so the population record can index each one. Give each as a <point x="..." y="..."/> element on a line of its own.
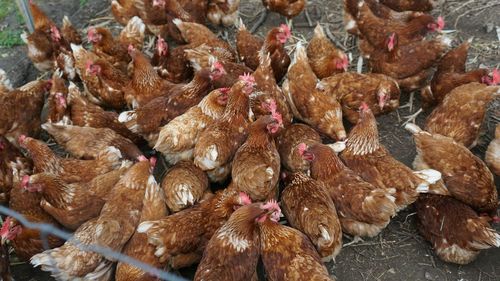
<point x="429" y="277"/>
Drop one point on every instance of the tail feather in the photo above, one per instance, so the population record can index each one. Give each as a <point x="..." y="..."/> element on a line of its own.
<point x="241" y="25"/>
<point x="111" y="155"/>
<point x="264" y="58"/>
<point x="319" y="32"/>
<point x="429" y="177"/>
<point x="129" y="118"/>
<point x="300" y="53"/>
<point x="380" y="203"/>
<point x="484" y="236"/>
<point x="134" y="32"/>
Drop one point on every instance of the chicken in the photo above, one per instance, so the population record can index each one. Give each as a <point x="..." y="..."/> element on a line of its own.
<point x="7" y="233"/>
<point x="320" y="111"/>
<point x="40" y="19"/>
<point x="455" y="231"/>
<point x="56" y="102"/>
<point x="218" y="143"/>
<point x="147" y="120"/>
<point x="248" y="46"/>
<point x="467" y="177"/>
<point x="462" y="112"/>
<point x="112" y="229"/>
<point x="204" y="56"/>
<point x="375" y="29"/>
<point x="492" y="156"/>
<point x="65" y="63"/>
<point x="287" y="8"/>
<point x="153" y="208"/>
<point x="412" y="5"/>
<point x="287" y="254"/>
<point x="363" y="209"/>
<point x="29" y="241"/>
<point x="201" y="57"/>
<point x="11" y="159"/>
<point x="288" y="141"/>
<point x="87" y="114"/>
<point x="267" y="90"/>
<point x="73" y="204"/>
<point x="181" y="238"/>
<point x="70" y="33"/>
<point x="18" y="120"/>
<point x="171" y="64"/>
<point x="225" y="12"/>
<point x="451" y="73"/>
<point x="88" y="142"/>
<point x="378" y="9"/>
<point x="408" y="64"/>
<point x="44" y="43"/>
<point x="124" y="10"/>
<point x="184" y="185"/>
<point x="197" y="34"/>
<point x="309" y="208"/>
<point x="380" y="92"/>
<point x="115" y="49"/>
<point x="325" y="59"/>
<point x="82" y="60"/>
<point x="41" y="49"/>
<point x="178" y="138"/>
<point x="275" y="46"/>
<point x="106" y="83"/>
<point x="72" y="170"/>
<point x="233" y="251"/>
<point x="367" y="157"/>
<point x="145" y="83"/>
<point x="256" y="164"/>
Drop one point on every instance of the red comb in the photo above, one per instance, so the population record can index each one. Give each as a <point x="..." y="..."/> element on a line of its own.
<point x="152" y="161"/>
<point x="286" y="30"/>
<point x="21" y="139"/>
<point x="496" y="76"/>
<point x="272" y="205"/>
<point x="247" y="77"/>
<point x="131" y="48"/>
<point x="364" y="107"/>
<point x="89" y="64"/>
<point x="245" y="199"/>
<point x="302" y="147"/>
<point x="270" y="105"/>
<point x="25" y="180"/>
<point x="55" y="32"/>
<point x="142" y="158"/>
<point x="4" y="231"/>
<point x="224" y="90"/>
<point x="91" y="33"/>
<point x="440" y="23"/>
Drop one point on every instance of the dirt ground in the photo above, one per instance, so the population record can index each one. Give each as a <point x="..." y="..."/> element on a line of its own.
<point x="399" y="252"/>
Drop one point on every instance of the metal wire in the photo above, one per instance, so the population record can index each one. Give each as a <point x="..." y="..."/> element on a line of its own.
<point x="47" y="229"/>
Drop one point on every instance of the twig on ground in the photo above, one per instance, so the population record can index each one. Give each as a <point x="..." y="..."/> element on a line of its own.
<point x="474" y="10"/>
<point x="260" y="21"/>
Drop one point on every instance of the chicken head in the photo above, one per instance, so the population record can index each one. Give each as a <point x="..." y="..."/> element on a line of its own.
<point x="284" y="33"/>
<point x="7" y="232"/>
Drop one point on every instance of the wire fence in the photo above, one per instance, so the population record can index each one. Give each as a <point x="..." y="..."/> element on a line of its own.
<point x="47" y="229"/>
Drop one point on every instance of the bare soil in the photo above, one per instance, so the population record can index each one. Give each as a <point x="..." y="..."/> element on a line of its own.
<point x="399" y="252"/>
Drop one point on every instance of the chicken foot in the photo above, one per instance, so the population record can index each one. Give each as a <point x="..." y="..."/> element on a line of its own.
<point x="413" y="117"/>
